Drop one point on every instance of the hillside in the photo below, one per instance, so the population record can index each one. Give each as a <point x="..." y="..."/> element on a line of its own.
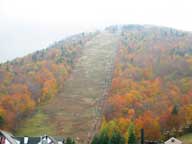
<point x="28" y="82"/>
<point x="73" y="111"/>
<point x="67" y="90"/>
<point x="151" y="86"/>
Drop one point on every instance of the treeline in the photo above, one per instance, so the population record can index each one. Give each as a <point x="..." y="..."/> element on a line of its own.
<point x="110" y="133"/>
<point x="152" y="81"/>
<point x="34" y="79"/>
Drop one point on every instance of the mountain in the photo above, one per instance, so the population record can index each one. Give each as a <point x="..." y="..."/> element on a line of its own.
<point x="125" y="74"/>
<point x="152" y="81"/>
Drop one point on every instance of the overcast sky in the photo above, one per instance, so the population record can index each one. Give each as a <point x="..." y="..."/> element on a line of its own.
<point x="30" y="25"/>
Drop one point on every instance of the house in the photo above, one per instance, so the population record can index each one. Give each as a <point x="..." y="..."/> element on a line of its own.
<point x="173" y="141"/>
<point x="37" y="140"/>
<point x="7" y="138"/>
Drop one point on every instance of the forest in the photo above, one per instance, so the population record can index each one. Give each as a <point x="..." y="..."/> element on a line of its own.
<point x="151" y="84"/>
<point x="30" y="81"/>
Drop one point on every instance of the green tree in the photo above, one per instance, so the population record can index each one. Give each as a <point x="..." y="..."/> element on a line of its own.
<point x="132" y="137"/>
<point x="70" y="141"/>
<point x="2" y="121"/>
<point x="117" y="138"/>
<point x="95" y="140"/>
<point x="175" y="110"/>
<point x="101" y="138"/>
<point x="104" y="138"/>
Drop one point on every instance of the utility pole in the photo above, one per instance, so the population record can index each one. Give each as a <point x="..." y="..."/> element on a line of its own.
<point x="142" y="136"/>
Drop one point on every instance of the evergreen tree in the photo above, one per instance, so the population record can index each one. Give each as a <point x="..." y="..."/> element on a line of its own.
<point x="117" y="138"/>
<point x="103" y="138"/>
<point x="95" y="140"/>
<point x="132" y="137"/>
<point x="70" y="141"/>
<point x="175" y="110"/>
<point x="2" y="121"/>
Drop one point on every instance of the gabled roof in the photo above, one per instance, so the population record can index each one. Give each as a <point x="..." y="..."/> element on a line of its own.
<point x="35" y="140"/>
<point x="8" y="136"/>
<point x="53" y="140"/>
<point x="173" y="141"/>
<point x="31" y="140"/>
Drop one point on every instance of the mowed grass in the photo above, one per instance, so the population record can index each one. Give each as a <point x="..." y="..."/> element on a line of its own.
<point x="186" y="139"/>
<point x="35" y="126"/>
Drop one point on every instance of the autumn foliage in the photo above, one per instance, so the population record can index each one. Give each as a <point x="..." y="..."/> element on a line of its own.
<point x="27" y="82"/>
<point x="152" y="84"/>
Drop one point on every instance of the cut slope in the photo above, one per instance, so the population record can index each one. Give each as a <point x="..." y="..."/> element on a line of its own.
<point x="73" y="111"/>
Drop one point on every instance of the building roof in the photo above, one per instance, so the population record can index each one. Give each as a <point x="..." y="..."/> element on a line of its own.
<point x="8" y="136"/>
<point x="173" y="141"/>
<point x="53" y="140"/>
<point x="20" y="139"/>
<point x="31" y="140"/>
<point x="36" y="140"/>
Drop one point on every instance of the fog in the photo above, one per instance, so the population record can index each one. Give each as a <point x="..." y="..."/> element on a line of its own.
<point x="30" y="25"/>
<point x="19" y="39"/>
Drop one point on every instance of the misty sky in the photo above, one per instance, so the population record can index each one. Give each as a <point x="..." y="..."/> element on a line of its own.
<point x="30" y="25"/>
